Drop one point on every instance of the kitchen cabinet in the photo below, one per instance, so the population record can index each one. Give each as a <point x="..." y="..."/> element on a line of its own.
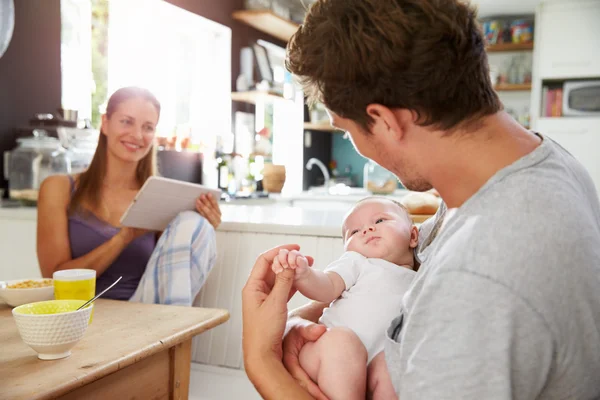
<point x="568" y="37"/>
<point x="17" y="244"/>
<point x="222" y="346"/>
<point x="580" y="137"/>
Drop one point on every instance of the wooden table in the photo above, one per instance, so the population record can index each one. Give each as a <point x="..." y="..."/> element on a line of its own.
<point x="129" y="351"/>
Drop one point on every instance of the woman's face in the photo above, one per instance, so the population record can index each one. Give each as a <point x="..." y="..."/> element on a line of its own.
<point x="130" y="129"/>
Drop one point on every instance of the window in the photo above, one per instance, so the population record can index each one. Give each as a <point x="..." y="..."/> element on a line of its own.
<point x="183" y="58"/>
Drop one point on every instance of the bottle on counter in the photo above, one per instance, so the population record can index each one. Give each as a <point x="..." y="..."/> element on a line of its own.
<point x="223" y="173"/>
<point x="378" y="180"/>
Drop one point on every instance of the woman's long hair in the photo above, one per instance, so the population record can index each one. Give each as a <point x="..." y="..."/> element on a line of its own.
<point x="89" y="182"/>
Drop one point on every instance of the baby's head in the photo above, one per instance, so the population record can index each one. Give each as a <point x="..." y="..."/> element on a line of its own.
<point x="378" y="227"/>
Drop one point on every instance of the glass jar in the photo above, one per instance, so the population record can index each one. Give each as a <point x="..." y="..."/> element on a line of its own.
<point x="378" y="180"/>
<point x="257" y="4"/>
<point x="81" y="154"/>
<point x="33" y="160"/>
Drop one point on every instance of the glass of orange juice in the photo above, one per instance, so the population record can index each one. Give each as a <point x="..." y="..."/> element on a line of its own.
<point x="75" y="284"/>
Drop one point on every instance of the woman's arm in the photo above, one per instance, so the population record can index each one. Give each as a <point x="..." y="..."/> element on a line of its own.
<point x="53" y="247"/>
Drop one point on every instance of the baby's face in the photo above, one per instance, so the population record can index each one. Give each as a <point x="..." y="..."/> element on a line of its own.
<point x="378" y="228"/>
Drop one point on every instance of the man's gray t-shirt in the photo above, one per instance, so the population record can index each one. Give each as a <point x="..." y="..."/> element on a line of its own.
<point x="506" y="304"/>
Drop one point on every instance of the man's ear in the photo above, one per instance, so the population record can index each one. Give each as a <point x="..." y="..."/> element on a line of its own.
<point x="389" y="121"/>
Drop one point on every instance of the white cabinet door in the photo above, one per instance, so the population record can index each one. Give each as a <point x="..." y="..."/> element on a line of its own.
<point x="17" y="247"/>
<point x="580" y="137"/>
<point x="569" y="39"/>
<point x="323" y="204"/>
<point x="236" y="253"/>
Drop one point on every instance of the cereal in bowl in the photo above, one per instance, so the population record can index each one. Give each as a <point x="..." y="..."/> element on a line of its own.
<point x="30" y="284"/>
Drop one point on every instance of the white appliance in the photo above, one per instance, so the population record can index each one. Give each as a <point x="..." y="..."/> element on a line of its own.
<point x="581" y="98"/>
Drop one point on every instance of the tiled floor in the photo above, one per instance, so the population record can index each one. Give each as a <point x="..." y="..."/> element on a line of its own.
<point x="214" y="383"/>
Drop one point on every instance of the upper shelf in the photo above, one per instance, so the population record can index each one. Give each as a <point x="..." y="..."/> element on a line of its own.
<point x="509" y="47"/>
<point x="254" y="96"/>
<point x="320" y="126"/>
<point x="268" y="22"/>
<point x="512" y="86"/>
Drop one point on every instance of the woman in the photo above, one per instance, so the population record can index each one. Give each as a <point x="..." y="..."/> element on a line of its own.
<point x="78" y="217"/>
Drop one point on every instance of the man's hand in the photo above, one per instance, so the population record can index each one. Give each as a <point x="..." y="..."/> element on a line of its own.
<point x="299" y="333"/>
<point x="264" y="306"/>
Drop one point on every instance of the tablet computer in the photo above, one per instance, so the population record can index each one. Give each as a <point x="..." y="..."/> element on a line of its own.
<point x="160" y="200"/>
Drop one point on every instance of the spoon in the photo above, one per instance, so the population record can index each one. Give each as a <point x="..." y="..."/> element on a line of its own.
<point x="98" y="295"/>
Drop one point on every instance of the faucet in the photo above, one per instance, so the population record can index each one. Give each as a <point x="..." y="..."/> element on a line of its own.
<point x="322" y="167"/>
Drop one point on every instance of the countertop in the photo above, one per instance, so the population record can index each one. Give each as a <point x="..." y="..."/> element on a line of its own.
<point x="306" y="214"/>
<point x="283" y="219"/>
<point x="269" y="218"/>
<point x="342" y="194"/>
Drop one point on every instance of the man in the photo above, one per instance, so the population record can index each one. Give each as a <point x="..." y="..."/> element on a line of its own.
<point x="506" y="304"/>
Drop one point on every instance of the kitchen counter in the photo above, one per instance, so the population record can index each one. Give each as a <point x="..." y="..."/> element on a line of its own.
<point x="282" y="218"/>
<point x="312" y="213"/>
<point x="18" y="213"/>
<point x="268" y="218"/>
<point x="339" y="194"/>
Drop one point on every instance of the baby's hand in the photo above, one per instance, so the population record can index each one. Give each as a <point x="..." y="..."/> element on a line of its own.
<point x="291" y="259"/>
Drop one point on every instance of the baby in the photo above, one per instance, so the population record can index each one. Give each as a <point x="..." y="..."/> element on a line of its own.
<point x="365" y="288"/>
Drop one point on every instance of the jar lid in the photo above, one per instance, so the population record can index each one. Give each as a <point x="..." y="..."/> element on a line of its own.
<point x="39" y="139"/>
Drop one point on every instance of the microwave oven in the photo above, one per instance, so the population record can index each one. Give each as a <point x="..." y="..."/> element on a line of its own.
<point x="581" y="98"/>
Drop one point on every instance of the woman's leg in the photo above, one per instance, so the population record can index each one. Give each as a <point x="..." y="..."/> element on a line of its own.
<point x="180" y="263"/>
<point x="337" y="362"/>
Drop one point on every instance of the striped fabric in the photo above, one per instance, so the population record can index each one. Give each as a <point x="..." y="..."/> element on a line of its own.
<point x="184" y="255"/>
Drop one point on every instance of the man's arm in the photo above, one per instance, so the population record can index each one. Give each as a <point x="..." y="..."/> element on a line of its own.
<point x="274" y="382"/>
<point x="264" y="314"/>
<point x="469" y="337"/>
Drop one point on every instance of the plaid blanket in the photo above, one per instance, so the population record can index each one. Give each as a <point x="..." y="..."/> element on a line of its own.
<point x="184" y="255"/>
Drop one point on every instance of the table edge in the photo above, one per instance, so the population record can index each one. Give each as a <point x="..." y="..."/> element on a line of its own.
<point x="130" y="359"/>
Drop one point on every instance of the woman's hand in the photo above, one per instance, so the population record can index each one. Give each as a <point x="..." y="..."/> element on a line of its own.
<point x="208" y="207"/>
<point x="129" y="234"/>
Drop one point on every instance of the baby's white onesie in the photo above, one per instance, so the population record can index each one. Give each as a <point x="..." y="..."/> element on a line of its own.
<point x="372" y="299"/>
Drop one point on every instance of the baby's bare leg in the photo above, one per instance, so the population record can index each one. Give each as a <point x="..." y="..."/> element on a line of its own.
<point x="379" y="383"/>
<point x="337" y="362"/>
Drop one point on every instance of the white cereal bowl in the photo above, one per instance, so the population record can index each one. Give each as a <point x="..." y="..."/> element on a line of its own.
<point x="17" y="297"/>
<point x="52" y="328"/>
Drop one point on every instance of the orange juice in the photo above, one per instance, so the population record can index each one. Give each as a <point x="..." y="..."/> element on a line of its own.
<point x="75" y="284"/>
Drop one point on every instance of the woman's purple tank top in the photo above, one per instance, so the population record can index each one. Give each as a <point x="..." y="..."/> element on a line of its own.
<point x="87" y="232"/>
